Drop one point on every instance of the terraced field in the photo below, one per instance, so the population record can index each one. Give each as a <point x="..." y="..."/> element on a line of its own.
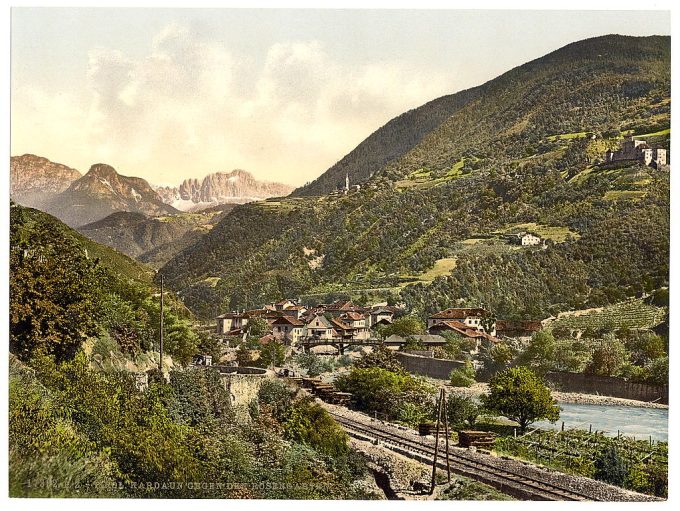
<point x="630" y="314"/>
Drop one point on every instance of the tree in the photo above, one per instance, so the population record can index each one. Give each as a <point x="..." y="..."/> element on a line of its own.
<point x="257" y="327"/>
<point x="413" y="344"/>
<point x="382" y="357"/>
<point x="540" y="354"/>
<point x="462" y="411"/>
<point x="609" y="357"/>
<point x="379" y="390"/>
<point x="272" y="354"/>
<point x="522" y="396"/>
<point x="404" y="326"/>
<point x="658" y="371"/>
<point x="488" y="322"/>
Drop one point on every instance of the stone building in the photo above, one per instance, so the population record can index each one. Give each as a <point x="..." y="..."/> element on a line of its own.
<point x="637" y="150"/>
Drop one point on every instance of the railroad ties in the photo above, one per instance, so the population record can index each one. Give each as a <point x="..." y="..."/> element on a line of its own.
<point x="488" y="472"/>
<point x="326" y="392"/>
<point x="481" y="467"/>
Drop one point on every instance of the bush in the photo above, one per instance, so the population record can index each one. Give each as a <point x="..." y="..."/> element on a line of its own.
<point x="310" y="424"/>
<point x="381" y="357"/>
<point x="610" y="467"/>
<point x="379" y="390"/>
<point x="464" y="376"/>
<point x="278" y="396"/>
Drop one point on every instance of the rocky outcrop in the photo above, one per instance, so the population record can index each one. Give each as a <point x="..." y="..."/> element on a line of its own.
<point x="103" y="191"/>
<point x="35" y="180"/>
<point x="235" y="187"/>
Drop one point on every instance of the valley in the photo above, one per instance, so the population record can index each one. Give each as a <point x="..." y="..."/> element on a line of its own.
<point x="496" y="249"/>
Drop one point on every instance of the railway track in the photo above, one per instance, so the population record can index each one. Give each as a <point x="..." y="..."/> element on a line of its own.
<point x="517" y="485"/>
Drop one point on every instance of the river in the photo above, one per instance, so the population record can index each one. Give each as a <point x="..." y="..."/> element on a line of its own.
<point x="629" y="420"/>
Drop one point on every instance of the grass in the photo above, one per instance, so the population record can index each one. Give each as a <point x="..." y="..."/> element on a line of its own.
<point x="567" y="136"/>
<point x="655" y="134"/>
<point x="441" y="267"/>
<point x="624" y="195"/>
<point x="211" y="281"/>
<point x="422" y="178"/>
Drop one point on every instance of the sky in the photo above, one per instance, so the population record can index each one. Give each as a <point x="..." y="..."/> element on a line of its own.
<point x="171" y="94"/>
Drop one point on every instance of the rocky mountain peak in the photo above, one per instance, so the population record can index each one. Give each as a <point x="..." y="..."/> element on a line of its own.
<point x="235" y="187"/>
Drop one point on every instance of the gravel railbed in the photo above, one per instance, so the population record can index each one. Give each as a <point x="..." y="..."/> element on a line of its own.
<point x="596" y="489"/>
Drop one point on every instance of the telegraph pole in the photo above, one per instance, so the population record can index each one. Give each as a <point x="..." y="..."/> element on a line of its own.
<point x="436" y="444"/>
<point x="160" y="361"/>
<point x="446" y="431"/>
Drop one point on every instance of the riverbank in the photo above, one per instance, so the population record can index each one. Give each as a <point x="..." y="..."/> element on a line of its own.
<point x="479" y="389"/>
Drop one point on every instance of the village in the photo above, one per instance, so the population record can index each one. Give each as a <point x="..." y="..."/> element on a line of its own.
<point x="344" y="323"/>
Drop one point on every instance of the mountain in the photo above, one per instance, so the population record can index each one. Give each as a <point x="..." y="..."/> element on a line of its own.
<point x="103" y="191"/>
<point x="153" y="240"/>
<point x="35" y="180"/>
<point x="235" y="187"/>
<point x="523" y="152"/>
<point x="388" y="143"/>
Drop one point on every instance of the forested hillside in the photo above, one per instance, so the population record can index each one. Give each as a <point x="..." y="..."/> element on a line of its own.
<point x="522" y="154"/>
<point x="153" y="240"/>
<point x="66" y="290"/>
<point x="80" y="427"/>
<point x="388" y="143"/>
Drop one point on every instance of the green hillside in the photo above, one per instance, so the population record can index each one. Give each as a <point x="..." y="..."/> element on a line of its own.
<point x="388" y="143"/>
<point x="66" y="290"/>
<point x="153" y="240"/>
<point x="523" y="153"/>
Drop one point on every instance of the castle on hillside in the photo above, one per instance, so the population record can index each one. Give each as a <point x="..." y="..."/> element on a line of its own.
<point x="637" y="150"/>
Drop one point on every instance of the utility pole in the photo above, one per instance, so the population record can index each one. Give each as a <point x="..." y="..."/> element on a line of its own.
<point x="436" y="444"/>
<point x="160" y="360"/>
<point x="442" y="406"/>
<point x="446" y="431"/>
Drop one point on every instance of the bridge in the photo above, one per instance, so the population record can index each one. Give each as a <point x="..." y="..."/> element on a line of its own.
<point x="342" y="344"/>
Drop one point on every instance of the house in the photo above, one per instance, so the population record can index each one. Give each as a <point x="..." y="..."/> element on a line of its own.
<point x="474" y="318"/>
<point x="295" y="311"/>
<point x="427" y="339"/>
<point x="517" y="328"/>
<point x="321" y="328"/>
<point x="352" y="326"/>
<point x="340" y="307"/>
<point x="637" y="150"/>
<point x="225" y="322"/>
<point x="525" y="239"/>
<point x="288" y="329"/>
<point x="284" y="304"/>
<point x="380" y="315"/>
<point x="466" y="331"/>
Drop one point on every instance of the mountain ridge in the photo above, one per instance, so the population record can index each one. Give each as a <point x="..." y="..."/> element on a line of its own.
<point x="525" y="151"/>
<point x="34" y="180"/>
<point x="235" y="187"/>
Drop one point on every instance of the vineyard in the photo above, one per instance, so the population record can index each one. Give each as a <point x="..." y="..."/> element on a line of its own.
<point x="576" y="452"/>
<point x="633" y="314"/>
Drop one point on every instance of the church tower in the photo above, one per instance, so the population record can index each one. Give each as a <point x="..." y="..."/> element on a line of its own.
<point x="347" y="182"/>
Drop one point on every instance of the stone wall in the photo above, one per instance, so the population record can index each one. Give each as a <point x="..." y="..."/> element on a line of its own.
<point x="427" y="366"/>
<point x="242" y="383"/>
<point x="608" y="386"/>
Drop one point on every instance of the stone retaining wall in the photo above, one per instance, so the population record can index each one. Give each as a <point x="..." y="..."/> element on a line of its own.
<point x="608" y="386"/>
<point x="427" y="366"/>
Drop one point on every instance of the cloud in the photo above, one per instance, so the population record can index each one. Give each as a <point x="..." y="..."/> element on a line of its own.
<point x="191" y="106"/>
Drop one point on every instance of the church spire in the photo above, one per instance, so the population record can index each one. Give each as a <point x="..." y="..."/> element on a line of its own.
<point x="347" y="181"/>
